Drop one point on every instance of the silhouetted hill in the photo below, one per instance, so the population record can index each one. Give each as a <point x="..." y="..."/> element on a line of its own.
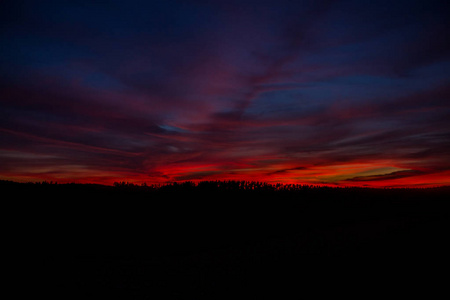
<point x="212" y="237"/>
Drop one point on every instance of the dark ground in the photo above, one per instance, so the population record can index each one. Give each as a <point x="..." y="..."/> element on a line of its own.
<point x="230" y="240"/>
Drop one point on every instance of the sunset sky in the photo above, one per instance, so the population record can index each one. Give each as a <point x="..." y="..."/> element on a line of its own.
<point x="346" y="93"/>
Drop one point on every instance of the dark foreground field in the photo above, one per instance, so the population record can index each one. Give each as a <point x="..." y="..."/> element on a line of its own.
<point x="226" y="239"/>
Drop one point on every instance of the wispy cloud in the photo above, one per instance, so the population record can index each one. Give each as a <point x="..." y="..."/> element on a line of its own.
<point x="324" y="92"/>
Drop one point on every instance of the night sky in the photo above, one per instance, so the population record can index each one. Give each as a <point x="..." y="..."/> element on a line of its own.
<point x="346" y="93"/>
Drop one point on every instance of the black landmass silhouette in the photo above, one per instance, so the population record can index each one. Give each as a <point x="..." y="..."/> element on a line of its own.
<point x="229" y="238"/>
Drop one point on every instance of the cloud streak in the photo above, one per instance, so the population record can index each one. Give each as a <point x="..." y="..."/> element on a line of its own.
<point x="315" y="92"/>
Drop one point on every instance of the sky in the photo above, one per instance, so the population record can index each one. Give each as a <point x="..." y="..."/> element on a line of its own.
<point x="339" y="93"/>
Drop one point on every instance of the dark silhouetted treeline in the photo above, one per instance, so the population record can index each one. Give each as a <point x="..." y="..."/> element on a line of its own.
<point x="210" y="238"/>
<point x="222" y="186"/>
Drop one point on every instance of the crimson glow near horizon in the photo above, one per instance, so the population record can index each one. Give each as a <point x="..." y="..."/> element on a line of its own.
<point x="345" y="93"/>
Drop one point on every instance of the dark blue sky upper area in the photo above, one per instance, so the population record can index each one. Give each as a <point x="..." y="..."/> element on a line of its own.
<point x="298" y="91"/>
